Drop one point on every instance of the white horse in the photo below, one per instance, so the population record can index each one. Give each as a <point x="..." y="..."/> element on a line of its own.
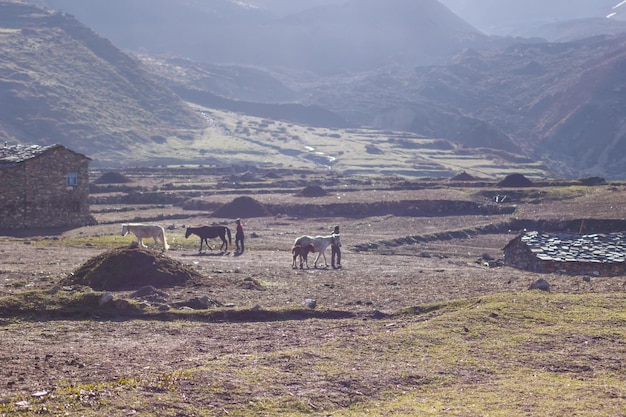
<point x="320" y="243"/>
<point x="142" y="231"/>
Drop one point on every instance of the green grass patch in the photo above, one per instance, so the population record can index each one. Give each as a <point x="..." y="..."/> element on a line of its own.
<point x="176" y="241"/>
<point x="241" y="139"/>
<point x="98" y="241"/>
<point x="519" y="354"/>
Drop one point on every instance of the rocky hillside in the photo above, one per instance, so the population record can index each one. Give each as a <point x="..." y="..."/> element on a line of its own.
<point x="555" y="100"/>
<point x="62" y="83"/>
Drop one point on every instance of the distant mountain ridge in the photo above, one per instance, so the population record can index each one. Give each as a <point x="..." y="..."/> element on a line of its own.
<point x="523" y="18"/>
<point x="327" y="39"/>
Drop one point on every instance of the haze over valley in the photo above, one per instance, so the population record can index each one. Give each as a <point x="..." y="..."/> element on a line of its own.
<point x="145" y="82"/>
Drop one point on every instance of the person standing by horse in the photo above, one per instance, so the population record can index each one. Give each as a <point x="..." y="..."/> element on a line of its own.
<point x="239" y="236"/>
<point x="335" y="251"/>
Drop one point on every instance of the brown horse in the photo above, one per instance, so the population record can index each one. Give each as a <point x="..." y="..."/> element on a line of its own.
<point x="303" y="253"/>
<point x="210" y="232"/>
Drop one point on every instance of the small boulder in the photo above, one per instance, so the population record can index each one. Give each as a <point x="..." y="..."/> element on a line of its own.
<point x="540" y="284"/>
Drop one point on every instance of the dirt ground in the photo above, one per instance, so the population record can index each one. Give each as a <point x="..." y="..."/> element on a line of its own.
<point x="37" y="355"/>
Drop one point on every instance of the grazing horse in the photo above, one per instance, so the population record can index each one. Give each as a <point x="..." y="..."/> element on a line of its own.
<point x="210" y="232"/>
<point x="303" y="253"/>
<point x="320" y="243"/>
<point x="142" y="231"/>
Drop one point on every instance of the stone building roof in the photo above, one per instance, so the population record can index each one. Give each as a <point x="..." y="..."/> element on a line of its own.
<point x="14" y="154"/>
<point x="562" y="247"/>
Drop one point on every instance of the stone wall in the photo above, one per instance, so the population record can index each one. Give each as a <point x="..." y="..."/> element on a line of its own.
<point x="35" y="192"/>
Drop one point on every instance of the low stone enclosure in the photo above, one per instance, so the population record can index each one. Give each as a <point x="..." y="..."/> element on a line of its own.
<point x="599" y="254"/>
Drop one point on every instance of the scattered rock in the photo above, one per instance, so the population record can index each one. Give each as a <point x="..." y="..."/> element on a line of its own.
<point x="540" y="284"/>
<point x="147" y="291"/>
<point x="251" y="284"/>
<point x="376" y="314"/>
<point x="106" y="297"/>
<point x="54" y="290"/>
<point x="151" y="294"/>
<point x="123" y="305"/>
<point x="310" y="303"/>
<point x="199" y="303"/>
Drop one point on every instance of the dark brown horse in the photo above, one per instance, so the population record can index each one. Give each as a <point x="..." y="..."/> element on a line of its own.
<point x="210" y="232"/>
<point x="303" y="253"/>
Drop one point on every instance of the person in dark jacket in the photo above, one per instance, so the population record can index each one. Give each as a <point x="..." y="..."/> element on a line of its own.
<point x="335" y="251"/>
<point x="239" y="236"/>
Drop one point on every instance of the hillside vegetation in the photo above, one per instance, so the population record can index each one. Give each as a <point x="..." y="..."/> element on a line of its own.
<point x="62" y="83"/>
<point x="238" y="139"/>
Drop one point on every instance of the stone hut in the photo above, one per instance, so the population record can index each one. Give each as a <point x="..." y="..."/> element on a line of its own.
<point x="43" y="186"/>
<point x="573" y="254"/>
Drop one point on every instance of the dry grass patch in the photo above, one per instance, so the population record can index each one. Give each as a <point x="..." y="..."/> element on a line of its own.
<point x="522" y="353"/>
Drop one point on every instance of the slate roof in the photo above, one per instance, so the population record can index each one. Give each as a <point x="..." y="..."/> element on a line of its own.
<point x="562" y="247"/>
<point x="14" y="154"/>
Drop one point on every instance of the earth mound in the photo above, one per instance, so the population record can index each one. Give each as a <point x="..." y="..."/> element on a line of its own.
<point x="112" y="178"/>
<point x="127" y="268"/>
<point x="464" y="176"/>
<point x="311" y="191"/>
<point x="515" y="180"/>
<point x="242" y="207"/>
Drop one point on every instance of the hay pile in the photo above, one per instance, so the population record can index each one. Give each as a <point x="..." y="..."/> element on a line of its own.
<point x="130" y="268"/>
<point x="112" y="178"/>
<point x="515" y="180"/>
<point x="312" y="191"/>
<point x="242" y="207"/>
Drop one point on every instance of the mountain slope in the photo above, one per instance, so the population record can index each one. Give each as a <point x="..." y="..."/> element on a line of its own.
<point x="556" y="100"/>
<point x="61" y="83"/>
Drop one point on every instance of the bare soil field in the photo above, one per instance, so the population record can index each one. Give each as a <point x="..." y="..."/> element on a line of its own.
<point x="253" y="304"/>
